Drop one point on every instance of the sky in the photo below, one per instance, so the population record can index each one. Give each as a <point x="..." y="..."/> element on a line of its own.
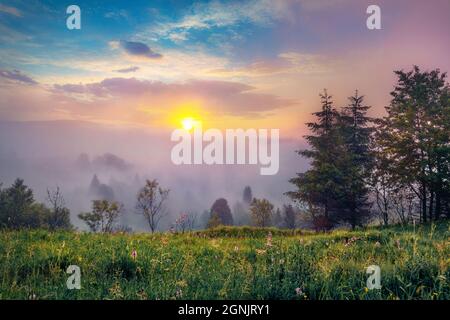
<point x="137" y="68"/>
<point x="256" y="63"/>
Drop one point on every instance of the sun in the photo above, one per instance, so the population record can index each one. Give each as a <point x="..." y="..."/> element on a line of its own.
<point x="188" y="123"/>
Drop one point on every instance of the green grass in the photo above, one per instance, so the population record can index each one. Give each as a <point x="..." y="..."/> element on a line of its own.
<point x="228" y="263"/>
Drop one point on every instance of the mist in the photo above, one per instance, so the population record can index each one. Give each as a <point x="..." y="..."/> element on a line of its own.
<point x="68" y="154"/>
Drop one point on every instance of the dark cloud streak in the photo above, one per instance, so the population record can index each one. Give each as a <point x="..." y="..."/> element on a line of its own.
<point x="139" y="49"/>
<point x="17" y="75"/>
<point x="127" y="70"/>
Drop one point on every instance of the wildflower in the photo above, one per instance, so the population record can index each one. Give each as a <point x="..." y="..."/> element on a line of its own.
<point x="142" y="294"/>
<point x="269" y="239"/>
<point x="299" y="291"/>
<point x="350" y="241"/>
<point x="259" y="251"/>
<point x="366" y="289"/>
<point x="236" y="248"/>
<point x="214" y="243"/>
<point x="181" y="283"/>
<point x="116" y="291"/>
<point x="134" y="254"/>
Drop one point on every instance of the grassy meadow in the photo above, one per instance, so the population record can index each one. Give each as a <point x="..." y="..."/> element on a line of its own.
<point x="228" y="263"/>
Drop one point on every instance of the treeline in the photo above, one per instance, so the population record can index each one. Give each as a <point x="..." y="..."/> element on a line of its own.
<point x="18" y="209"/>
<point x="250" y="211"/>
<point x="395" y="168"/>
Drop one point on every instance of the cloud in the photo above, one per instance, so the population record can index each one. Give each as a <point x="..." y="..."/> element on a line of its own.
<point x="178" y="37"/>
<point x="17" y="75"/>
<point x="232" y="15"/>
<point x="117" y="15"/>
<point x="215" y="14"/>
<point x="177" y="65"/>
<point x="127" y="70"/>
<point x="220" y="97"/>
<point x="8" y="34"/>
<point x="10" y="10"/>
<point x="139" y="49"/>
<point x="114" y="44"/>
<point x="284" y="63"/>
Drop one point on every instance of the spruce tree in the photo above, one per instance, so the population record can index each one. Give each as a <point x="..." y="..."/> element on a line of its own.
<point x="317" y="186"/>
<point x="355" y="163"/>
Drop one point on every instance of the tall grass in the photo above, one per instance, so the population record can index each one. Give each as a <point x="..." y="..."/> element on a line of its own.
<point x="228" y="263"/>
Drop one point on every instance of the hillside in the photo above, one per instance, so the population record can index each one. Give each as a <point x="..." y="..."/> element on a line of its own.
<point x="228" y="263"/>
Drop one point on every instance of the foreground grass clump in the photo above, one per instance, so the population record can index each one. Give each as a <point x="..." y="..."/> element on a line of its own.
<point x="247" y="232"/>
<point x="228" y="263"/>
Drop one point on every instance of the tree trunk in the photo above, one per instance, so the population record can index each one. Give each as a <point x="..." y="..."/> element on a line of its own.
<point x="430" y="208"/>
<point x="386" y="212"/>
<point x="424" y="202"/>
<point x="438" y="204"/>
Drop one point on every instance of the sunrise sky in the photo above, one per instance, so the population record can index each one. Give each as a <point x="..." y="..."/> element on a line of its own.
<point x="258" y="64"/>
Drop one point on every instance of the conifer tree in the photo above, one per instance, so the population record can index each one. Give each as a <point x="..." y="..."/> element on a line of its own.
<point x="355" y="163"/>
<point x="317" y="186"/>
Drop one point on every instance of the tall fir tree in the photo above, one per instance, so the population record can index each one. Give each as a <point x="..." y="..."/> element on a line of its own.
<point x="317" y="186"/>
<point x="355" y="164"/>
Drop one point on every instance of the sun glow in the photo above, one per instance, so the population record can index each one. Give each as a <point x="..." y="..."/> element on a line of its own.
<point x="188" y="123"/>
<point x="186" y="115"/>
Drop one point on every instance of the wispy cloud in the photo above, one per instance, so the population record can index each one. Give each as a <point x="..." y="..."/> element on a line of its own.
<point x="175" y="66"/>
<point x="10" y="35"/>
<point x="216" y="14"/>
<point x="221" y="97"/>
<point x="127" y="70"/>
<point x="10" y="10"/>
<point x="284" y="63"/>
<point x="119" y="14"/>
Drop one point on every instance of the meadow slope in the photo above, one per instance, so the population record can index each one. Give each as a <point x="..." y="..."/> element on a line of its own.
<point x="228" y="263"/>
